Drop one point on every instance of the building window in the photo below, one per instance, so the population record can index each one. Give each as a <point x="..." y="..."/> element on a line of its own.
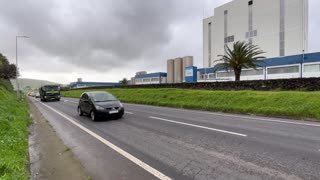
<point x="225" y="74"/>
<point x="155" y="79"/>
<point x="209" y="43"/>
<point x="312" y="68"/>
<point x="250" y="21"/>
<point x="282" y="28"/>
<point x="251" y="34"/>
<point x="146" y="80"/>
<point x="284" y="70"/>
<point x="212" y="76"/>
<point x="229" y="39"/>
<point x="225" y="26"/>
<point x="255" y="33"/>
<point x="252" y="72"/>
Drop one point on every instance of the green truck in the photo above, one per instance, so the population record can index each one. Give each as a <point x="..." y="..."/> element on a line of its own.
<point x="49" y="93"/>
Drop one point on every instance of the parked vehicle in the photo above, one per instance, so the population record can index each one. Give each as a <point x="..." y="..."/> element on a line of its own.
<point x="49" y="93"/>
<point x="100" y="104"/>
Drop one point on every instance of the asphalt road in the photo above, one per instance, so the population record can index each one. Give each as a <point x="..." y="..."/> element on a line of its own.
<point x="168" y="143"/>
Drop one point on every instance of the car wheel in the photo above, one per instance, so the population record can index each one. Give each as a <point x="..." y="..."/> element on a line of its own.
<point x="93" y="116"/>
<point x="80" y="111"/>
<point x="120" y="116"/>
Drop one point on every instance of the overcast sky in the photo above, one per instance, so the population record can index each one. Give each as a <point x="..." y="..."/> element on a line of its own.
<point x="106" y="40"/>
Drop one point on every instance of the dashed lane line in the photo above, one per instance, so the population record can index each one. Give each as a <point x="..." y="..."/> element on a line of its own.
<point x="197" y="126"/>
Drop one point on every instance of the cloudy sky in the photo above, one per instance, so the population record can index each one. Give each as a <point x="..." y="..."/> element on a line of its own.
<point x="106" y="40"/>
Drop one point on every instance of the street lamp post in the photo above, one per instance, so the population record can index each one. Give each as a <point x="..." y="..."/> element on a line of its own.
<point x="17" y="71"/>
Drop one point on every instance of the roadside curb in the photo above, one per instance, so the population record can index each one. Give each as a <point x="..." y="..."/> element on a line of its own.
<point x="49" y="157"/>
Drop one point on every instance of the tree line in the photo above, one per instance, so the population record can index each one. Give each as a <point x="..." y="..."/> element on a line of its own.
<point x="7" y="70"/>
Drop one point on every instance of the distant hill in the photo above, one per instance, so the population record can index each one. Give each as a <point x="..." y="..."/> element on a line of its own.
<point x="32" y="83"/>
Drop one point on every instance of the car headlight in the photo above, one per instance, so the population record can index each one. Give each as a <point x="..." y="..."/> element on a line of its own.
<point x="45" y="96"/>
<point x="99" y="108"/>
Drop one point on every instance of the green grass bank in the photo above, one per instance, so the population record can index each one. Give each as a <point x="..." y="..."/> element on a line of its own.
<point x="14" y="120"/>
<point x="294" y="104"/>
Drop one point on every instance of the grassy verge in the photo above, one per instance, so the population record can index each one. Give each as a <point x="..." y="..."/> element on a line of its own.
<point x="294" y="104"/>
<point x="14" y="119"/>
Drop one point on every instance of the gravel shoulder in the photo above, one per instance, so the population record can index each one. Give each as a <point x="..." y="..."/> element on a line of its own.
<point x="49" y="157"/>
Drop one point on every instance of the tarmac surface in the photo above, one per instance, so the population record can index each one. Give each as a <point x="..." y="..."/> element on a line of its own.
<point x="168" y="143"/>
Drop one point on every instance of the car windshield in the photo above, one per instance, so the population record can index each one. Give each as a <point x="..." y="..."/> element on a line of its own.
<point x="103" y="97"/>
<point x="51" y="88"/>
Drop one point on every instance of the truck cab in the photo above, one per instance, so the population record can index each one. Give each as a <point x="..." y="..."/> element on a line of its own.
<point x="50" y="93"/>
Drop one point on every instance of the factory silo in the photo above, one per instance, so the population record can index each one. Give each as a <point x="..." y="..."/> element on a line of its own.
<point x="170" y="71"/>
<point x="187" y="61"/>
<point x="199" y="75"/>
<point x="178" y="70"/>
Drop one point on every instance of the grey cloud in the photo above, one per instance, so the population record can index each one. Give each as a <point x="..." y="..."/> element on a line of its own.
<point x="99" y="35"/>
<point x="101" y="32"/>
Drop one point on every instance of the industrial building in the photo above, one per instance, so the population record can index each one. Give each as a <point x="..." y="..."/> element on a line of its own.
<point x="151" y="78"/>
<point x="295" y="66"/>
<point x="278" y="27"/>
<point x="81" y="84"/>
<point x="176" y="69"/>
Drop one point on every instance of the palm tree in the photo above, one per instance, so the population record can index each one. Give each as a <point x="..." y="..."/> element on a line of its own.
<point x="243" y="55"/>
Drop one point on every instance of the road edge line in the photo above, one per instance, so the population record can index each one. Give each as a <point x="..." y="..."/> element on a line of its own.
<point x="125" y="154"/>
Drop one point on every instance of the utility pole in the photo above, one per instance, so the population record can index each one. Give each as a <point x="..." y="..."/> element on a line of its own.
<point x="17" y="69"/>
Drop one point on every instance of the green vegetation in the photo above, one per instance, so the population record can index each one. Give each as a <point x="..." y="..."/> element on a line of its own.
<point x="294" y="104"/>
<point x="14" y="120"/>
<point x="243" y="55"/>
<point x="7" y="70"/>
<point x="6" y="85"/>
<point x="124" y="81"/>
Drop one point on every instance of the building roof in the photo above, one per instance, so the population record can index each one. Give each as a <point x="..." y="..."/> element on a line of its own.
<point x="94" y="83"/>
<point x="151" y="75"/>
<point x="207" y="70"/>
<point x="295" y="59"/>
<point x="278" y="61"/>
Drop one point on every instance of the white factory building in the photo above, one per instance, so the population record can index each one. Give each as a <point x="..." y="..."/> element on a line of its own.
<point x="278" y="27"/>
<point x="295" y="66"/>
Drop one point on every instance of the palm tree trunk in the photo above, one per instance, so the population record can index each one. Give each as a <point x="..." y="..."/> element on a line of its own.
<point x="237" y="74"/>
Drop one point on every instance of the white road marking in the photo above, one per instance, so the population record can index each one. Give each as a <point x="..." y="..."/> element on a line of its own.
<point x="236" y="116"/>
<point x="264" y="119"/>
<point x="127" y="155"/>
<point x="202" y="127"/>
<point x="70" y="101"/>
<point x="128" y="112"/>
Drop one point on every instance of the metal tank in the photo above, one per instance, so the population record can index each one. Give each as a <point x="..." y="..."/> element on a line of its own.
<point x="199" y="75"/>
<point x="133" y="81"/>
<point x="170" y="71"/>
<point x="178" y="70"/>
<point x="187" y="61"/>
